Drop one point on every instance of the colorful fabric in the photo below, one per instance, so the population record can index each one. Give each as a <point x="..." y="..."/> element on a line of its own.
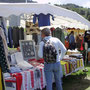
<point x="28" y="80"/>
<point x="42" y="79"/>
<point x="78" y="64"/>
<point x="67" y="67"/>
<point x="81" y="63"/>
<point x="18" y="77"/>
<point x="26" y="83"/>
<point x="70" y="66"/>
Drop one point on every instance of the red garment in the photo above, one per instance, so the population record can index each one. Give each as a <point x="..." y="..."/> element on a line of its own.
<point x="52" y="29"/>
<point x="81" y="48"/>
<point x="41" y="60"/>
<point x="18" y="80"/>
<point x="32" y="60"/>
<point x="32" y="79"/>
<point x="66" y="68"/>
<point x="41" y="78"/>
<point x="66" y="44"/>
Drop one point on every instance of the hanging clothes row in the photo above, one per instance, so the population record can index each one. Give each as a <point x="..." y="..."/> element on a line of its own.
<point x="4" y="64"/>
<point x="59" y="33"/>
<point x="14" y="35"/>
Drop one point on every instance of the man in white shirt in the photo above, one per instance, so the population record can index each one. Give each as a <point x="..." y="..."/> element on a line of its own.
<point x="52" y="68"/>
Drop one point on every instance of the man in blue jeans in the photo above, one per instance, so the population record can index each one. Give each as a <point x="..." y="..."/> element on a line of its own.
<point x="55" y="67"/>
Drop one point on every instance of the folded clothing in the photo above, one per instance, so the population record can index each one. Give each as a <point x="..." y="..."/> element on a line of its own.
<point x="13" y="59"/>
<point x="19" y="57"/>
<point x="37" y="73"/>
<point x="24" y="65"/>
<point x="78" y="56"/>
<point x="6" y="75"/>
<point x="15" y="69"/>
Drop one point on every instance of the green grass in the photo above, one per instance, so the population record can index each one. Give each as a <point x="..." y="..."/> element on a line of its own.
<point x="77" y="81"/>
<point x="88" y="67"/>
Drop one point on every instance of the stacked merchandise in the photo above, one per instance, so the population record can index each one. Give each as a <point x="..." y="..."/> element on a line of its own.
<point x="72" y="52"/>
<point x="32" y="28"/>
<point x="72" y="63"/>
<point x="33" y="31"/>
<point x="26" y="75"/>
<point x="30" y="75"/>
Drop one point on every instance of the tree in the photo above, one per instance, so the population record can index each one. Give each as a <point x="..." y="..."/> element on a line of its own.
<point x="82" y="12"/>
<point x="88" y="17"/>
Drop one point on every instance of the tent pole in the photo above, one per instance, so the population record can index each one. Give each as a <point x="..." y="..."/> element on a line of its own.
<point x="26" y="1"/>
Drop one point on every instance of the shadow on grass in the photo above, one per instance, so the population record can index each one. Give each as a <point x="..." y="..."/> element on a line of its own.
<point x="76" y="82"/>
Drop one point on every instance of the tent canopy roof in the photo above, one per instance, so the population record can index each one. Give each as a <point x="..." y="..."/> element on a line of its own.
<point x="7" y="9"/>
<point x="67" y="22"/>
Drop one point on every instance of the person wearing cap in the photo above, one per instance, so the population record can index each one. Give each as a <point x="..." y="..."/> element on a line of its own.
<point x="51" y="69"/>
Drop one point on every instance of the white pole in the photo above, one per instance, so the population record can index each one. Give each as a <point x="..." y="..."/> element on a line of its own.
<point x="26" y="1"/>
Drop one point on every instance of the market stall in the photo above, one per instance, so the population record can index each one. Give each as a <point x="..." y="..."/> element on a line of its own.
<point x="30" y="75"/>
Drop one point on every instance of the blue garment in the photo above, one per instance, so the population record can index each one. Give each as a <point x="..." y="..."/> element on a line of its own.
<point x="71" y="39"/>
<point x="15" y="69"/>
<point x="72" y="42"/>
<point x="43" y="20"/>
<point x="50" y="69"/>
<point x="10" y="44"/>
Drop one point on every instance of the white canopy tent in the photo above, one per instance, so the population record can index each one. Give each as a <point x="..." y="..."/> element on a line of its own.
<point x="68" y="23"/>
<point x="7" y="9"/>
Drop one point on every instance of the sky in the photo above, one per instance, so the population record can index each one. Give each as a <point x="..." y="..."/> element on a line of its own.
<point x="84" y="3"/>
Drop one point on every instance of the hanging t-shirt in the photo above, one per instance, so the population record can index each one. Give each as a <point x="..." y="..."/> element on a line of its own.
<point x="15" y="36"/>
<point x="58" y="32"/>
<point x="10" y="44"/>
<point x="43" y="20"/>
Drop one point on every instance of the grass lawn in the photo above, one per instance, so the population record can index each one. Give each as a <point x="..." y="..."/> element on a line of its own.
<point x="77" y="81"/>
